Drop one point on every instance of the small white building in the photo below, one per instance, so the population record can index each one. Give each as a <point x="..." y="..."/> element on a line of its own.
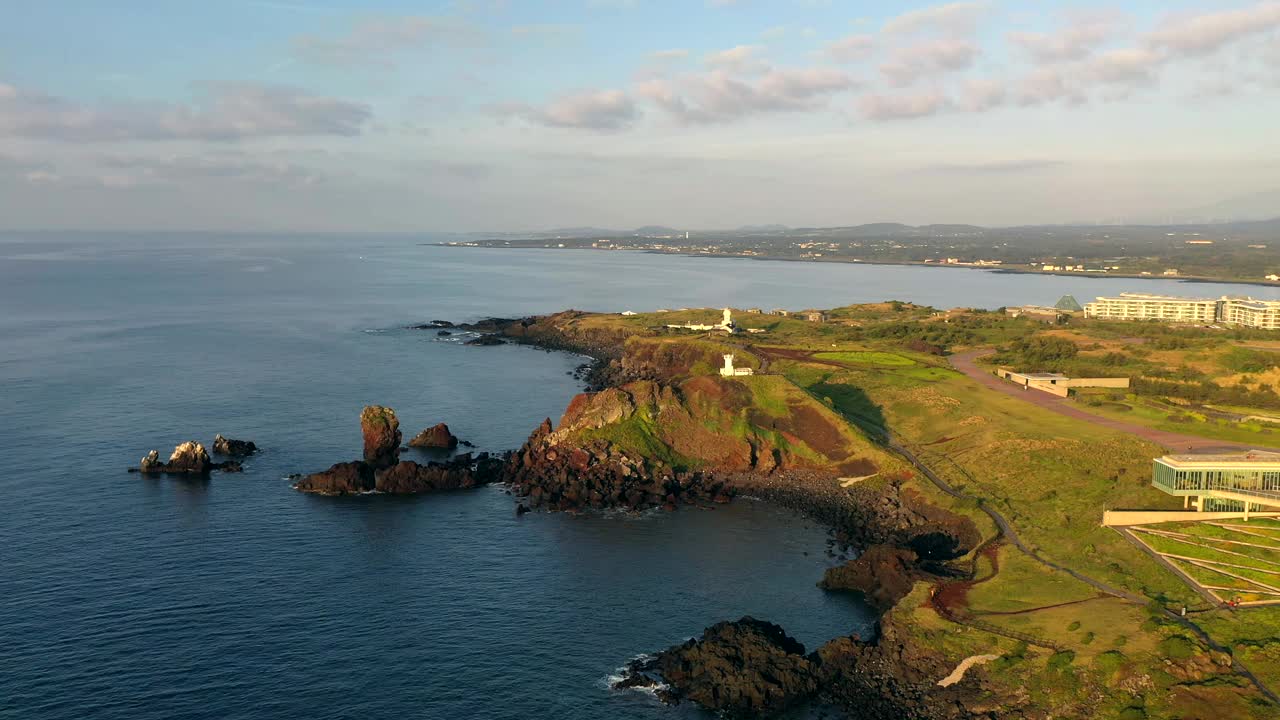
<point x="730" y="371"/>
<point x="726" y="325"/>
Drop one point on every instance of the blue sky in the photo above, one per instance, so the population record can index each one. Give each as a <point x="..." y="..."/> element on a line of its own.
<point x="493" y="115"/>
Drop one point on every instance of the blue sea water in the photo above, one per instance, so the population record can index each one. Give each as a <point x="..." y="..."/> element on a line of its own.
<point x="236" y="597"/>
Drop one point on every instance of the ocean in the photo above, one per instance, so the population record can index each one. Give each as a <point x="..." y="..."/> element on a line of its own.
<point x="237" y="597"/>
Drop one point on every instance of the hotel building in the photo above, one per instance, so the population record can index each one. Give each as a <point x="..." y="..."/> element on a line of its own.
<point x="1141" y="306"/>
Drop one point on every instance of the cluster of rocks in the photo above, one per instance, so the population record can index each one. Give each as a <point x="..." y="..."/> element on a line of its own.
<point x="752" y="668"/>
<point x="191" y="458"/>
<point x="598" y="475"/>
<point x="233" y="448"/>
<point x="382" y="470"/>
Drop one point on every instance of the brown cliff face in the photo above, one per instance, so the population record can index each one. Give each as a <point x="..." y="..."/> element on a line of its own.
<point x="381" y="430"/>
<point x="596" y="475"/>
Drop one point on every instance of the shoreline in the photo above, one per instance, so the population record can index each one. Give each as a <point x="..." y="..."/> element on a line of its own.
<point x="868" y="522"/>
<point x="998" y="269"/>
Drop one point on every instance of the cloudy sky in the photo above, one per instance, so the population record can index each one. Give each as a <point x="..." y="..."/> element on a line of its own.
<point x="490" y="115"/>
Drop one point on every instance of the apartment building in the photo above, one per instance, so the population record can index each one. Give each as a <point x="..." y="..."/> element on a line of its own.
<point x="1141" y="306"/>
<point x="1263" y="314"/>
<point x="1242" y="311"/>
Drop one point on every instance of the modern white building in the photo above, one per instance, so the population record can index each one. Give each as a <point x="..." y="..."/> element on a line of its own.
<point x="1141" y="306"/>
<point x="1243" y="311"/>
<point x="1263" y="314"/>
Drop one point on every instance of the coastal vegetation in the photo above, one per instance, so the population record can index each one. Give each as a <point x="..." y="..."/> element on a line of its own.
<point x="1082" y="621"/>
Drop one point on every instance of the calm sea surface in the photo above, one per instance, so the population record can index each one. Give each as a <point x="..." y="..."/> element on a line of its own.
<point x="236" y="597"/>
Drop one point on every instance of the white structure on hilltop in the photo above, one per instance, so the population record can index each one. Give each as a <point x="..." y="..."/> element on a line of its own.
<point x="726" y="325"/>
<point x="1244" y="311"/>
<point x="730" y="371"/>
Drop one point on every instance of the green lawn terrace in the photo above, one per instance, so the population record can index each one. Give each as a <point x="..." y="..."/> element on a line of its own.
<point x="1226" y="561"/>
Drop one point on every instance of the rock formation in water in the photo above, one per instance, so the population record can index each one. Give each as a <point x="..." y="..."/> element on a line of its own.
<point x="751" y="668"/>
<point x="381" y="469"/>
<point x="408" y="478"/>
<point x="234" y="448"/>
<point x="188" y="458"/>
<point x="345" y="478"/>
<point x="436" y="437"/>
<point x="743" y="668"/>
<point x="381" y="430"/>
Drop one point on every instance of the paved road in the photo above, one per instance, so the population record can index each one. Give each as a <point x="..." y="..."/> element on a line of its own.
<point x="1177" y="442"/>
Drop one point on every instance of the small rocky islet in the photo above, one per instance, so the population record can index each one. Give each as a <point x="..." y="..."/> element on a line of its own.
<point x="191" y="458"/>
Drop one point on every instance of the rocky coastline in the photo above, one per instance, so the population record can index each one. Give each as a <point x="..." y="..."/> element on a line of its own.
<point x="748" y="668"/>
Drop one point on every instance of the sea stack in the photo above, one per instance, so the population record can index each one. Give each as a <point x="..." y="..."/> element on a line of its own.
<point x="436" y="437"/>
<point x="381" y="430"/>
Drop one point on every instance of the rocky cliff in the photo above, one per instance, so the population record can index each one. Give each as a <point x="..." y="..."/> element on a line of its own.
<point x="649" y="443"/>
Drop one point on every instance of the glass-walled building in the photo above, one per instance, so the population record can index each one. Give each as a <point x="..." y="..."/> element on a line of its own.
<point x="1221" y="481"/>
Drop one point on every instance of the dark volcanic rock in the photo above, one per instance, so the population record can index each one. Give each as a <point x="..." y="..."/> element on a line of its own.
<point x="348" y="478"/>
<point x="443" y="333"/>
<point x="436" y="437"/>
<point x="381" y="430"/>
<point x="408" y="478"/>
<point x="883" y="574"/>
<point x="744" y="668"/>
<point x="486" y="340"/>
<point x="893" y="679"/>
<point x="234" y="448"/>
<point x="596" y="475"/>
<point x="432" y="325"/>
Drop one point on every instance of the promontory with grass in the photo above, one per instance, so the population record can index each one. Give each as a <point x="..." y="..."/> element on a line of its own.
<point x="974" y="511"/>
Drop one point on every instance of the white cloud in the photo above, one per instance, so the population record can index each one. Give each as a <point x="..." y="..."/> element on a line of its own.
<point x="1125" y="66"/>
<point x="717" y="96"/>
<point x="740" y="59"/>
<point x="904" y="106"/>
<point x="1083" y="35"/>
<point x="956" y="18"/>
<point x="1206" y="33"/>
<point x="851" y="48"/>
<point x="227" y="112"/>
<point x="590" y="110"/>
<point x="982" y="95"/>
<point x="909" y="64"/>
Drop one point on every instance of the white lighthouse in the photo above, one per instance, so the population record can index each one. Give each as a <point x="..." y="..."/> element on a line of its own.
<point x="730" y="371"/>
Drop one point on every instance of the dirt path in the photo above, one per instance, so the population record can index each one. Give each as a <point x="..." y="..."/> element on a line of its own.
<point x="1177" y="442"/>
<point x="958" y="674"/>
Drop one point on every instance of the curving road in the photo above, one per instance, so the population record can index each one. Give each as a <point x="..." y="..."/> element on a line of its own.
<point x="1177" y="442"/>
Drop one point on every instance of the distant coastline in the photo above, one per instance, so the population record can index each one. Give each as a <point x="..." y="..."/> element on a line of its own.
<point x="999" y="269"/>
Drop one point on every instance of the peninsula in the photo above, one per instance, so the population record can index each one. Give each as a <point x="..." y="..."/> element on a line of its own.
<point x="975" y="513"/>
<point x="1241" y="252"/>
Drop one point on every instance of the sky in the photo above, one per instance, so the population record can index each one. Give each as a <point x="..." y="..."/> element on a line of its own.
<point x="492" y="115"/>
